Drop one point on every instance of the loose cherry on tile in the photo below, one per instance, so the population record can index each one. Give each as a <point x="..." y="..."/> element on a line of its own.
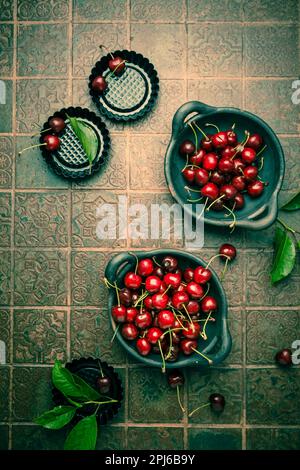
<point x="284" y="357"/>
<point x="50" y="142"/>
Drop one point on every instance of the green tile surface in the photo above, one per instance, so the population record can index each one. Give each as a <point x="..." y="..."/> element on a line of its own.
<point x="215" y="439"/>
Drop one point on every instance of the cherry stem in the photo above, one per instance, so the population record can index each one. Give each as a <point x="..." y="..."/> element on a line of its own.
<point x="170" y="331"/>
<point x="233" y="126"/>
<point x="204" y="336"/>
<point x="203" y="209"/>
<point x="115" y="69"/>
<point x="156" y="262"/>
<point x="199" y="408"/>
<point x="209" y="124"/>
<point x="163" y="368"/>
<point x="216" y="200"/>
<point x="224" y="269"/>
<point x="186" y="163"/>
<point x="109" y="284"/>
<point x="203" y="355"/>
<point x="115" y="332"/>
<point x="179" y="400"/>
<point x="200" y="130"/>
<point x="214" y="257"/>
<point x="177" y="318"/>
<point x="100" y="367"/>
<point x="241" y="146"/>
<point x="261" y="151"/>
<point x="170" y="346"/>
<point x="118" y="297"/>
<point x="44" y="130"/>
<point x="284" y="225"/>
<point x="187" y="313"/>
<point x="233" y="223"/>
<point x="195" y="200"/>
<point x="195" y="134"/>
<point x="141" y="298"/>
<point x="187" y="188"/>
<point x="166" y="289"/>
<point x="105" y="48"/>
<point x="137" y="261"/>
<point x="206" y="292"/>
<point x="32" y="147"/>
<point x="262" y="160"/>
<point x="142" y="302"/>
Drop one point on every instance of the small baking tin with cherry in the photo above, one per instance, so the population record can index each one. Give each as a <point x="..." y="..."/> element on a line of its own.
<point x="70" y="159"/>
<point x="89" y="370"/>
<point x="129" y="95"/>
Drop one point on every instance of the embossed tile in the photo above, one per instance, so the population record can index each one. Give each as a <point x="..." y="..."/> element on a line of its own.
<point x="147" y="161"/>
<point x="104" y="10"/>
<point x="40" y="278"/>
<point x="260" y="10"/>
<point x="291" y="180"/>
<point x="273" y="396"/>
<point x="37" y="438"/>
<point x="5" y="273"/>
<point x="151" y="399"/>
<point x="6" y="159"/>
<point x="171" y="97"/>
<point x="111" y="438"/>
<point x="4" y="387"/>
<point x="228" y="382"/>
<point x="6" y="10"/>
<point x="37" y="100"/>
<point x="214" y="237"/>
<point x="6" y="106"/>
<point x="278" y="110"/>
<point x="215" y="439"/>
<point x="3" y="437"/>
<point x="91" y="334"/>
<point x="270" y="51"/>
<point x="264" y="341"/>
<point x="39" y="10"/>
<point x="42" y="50"/>
<point x="155" y="438"/>
<point x="273" y="439"/>
<point x="235" y="322"/>
<point x="5" y="219"/>
<point x="5" y="330"/>
<point x="155" y="10"/>
<point x="32" y="171"/>
<point x="218" y="10"/>
<point x="114" y="174"/>
<point x="216" y="92"/>
<point x="167" y="60"/>
<point x="40" y="336"/>
<point x="6" y="49"/>
<point x="214" y="50"/>
<point x="90" y="209"/>
<point x="259" y="289"/>
<point x="86" y="50"/>
<point x="30" y="401"/>
<point x="87" y="278"/>
<point x="41" y="219"/>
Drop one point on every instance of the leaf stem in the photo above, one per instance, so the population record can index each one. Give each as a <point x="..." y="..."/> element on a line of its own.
<point x="286" y="226"/>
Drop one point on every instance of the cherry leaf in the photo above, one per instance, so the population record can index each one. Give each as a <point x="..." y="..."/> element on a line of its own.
<point x="56" y="418"/>
<point x="293" y="204"/>
<point x="84" y="435"/>
<point x="86" y="136"/>
<point x="284" y="257"/>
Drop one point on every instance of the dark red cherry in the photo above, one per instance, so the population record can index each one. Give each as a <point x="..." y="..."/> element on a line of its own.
<point x="103" y="384"/>
<point x="99" y="84"/>
<point x="160" y="301"/>
<point x="189" y="174"/>
<point x="158" y="271"/>
<point x="179" y="299"/>
<point x="209" y="304"/>
<point x="143" y="346"/>
<point x="193" y="307"/>
<point x="173" y="280"/>
<point x="206" y="143"/>
<point x="217" y="402"/>
<point x="225" y="165"/>
<point x="255" y="141"/>
<point x="145" y="267"/>
<point x="220" y="140"/>
<point x="202" y="275"/>
<point x="218" y="205"/>
<point x="173" y="353"/>
<point x="239" y="201"/>
<point x="175" y="378"/>
<point x="188" y="274"/>
<point x="228" y="190"/>
<point x="192" y="331"/>
<point x="125" y="296"/>
<point x="187" y="148"/>
<point x="227" y="250"/>
<point x="217" y="178"/>
<point x="201" y="176"/>
<point x="116" y="65"/>
<point x="239" y="182"/>
<point x="250" y="173"/>
<point x="143" y="319"/>
<point x="153" y="335"/>
<point x="169" y="263"/>
<point x="52" y="142"/>
<point x="228" y="152"/>
<point x="210" y="190"/>
<point x="248" y="155"/>
<point x="119" y="313"/>
<point x="152" y="284"/>
<point x="131" y="314"/>
<point x="187" y="346"/>
<point x="239" y="165"/>
<point x="165" y="319"/>
<point x="135" y="297"/>
<point x="132" y="280"/>
<point x="255" y="188"/>
<point x="231" y="137"/>
<point x="57" y="124"/>
<point x="181" y="288"/>
<point x="210" y="161"/>
<point x="194" y="290"/>
<point x="284" y="357"/>
<point x="129" y="331"/>
<point x="148" y="302"/>
<point x="196" y="159"/>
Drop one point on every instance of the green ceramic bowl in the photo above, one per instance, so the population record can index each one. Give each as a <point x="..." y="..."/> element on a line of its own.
<point x="257" y="213"/>
<point x="218" y="344"/>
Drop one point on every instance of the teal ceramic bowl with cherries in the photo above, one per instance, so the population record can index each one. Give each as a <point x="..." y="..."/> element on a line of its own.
<point x="218" y="343"/>
<point x="257" y="213"/>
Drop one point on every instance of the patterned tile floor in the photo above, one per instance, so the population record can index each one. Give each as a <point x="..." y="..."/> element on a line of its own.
<point x="226" y="52"/>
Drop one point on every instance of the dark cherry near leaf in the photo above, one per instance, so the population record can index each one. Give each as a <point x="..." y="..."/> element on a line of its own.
<point x="104" y="384"/>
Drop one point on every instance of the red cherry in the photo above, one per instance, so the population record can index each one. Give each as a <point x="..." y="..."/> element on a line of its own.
<point x="143" y="346"/>
<point x="284" y="357"/>
<point x="181" y="288"/>
<point x="148" y="302"/>
<point x="188" y="274"/>
<point x="210" y="190"/>
<point x="173" y="280"/>
<point x="145" y="267"/>
<point x="202" y="275"/>
<point x="225" y="165"/>
<point x="192" y="331"/>
<point x="187" y="148"/>
<point x="206" y="143"/>
<point x="228" y="152"/>
<point x="163" y="287"/>
<point x="196" y="159"/>
<point x="52" y="142"/>
<point x="239" y="201"/>
<point x="208" y="304"/>
<point x="158" y="271"/>
<point x="119" y="313"/>
<point x="217" y="178"/>
<point x="231" y="137"/>
<point x="255" y="141"/>
<point x="143" y="319"/>
<point x="193" y="307"/>
<point x="218" y="205"/>
<point x="255" y="188"/>
<point x="210" y="161"/>
<point x="228" y="190"/>
<point x="187" y="346"/>
<point x="165" y="319"/>
<point x="116" y="65"/>
<point x="179" y="299"/>
<point x="189" y="174"/>
<point x="132" y="281"/>
<point x="238" y="166"/>
<point x="250" y="173"/>
<point x="239" y="182"/>
<point x="248" y="155"/>
<point x="131" y="313"/>
<point x="160" y="301"/>
<point x="227" y="250"/>
<point x="194" y="290"/>
<point x="220" y="140"/>
<point x="125" y="296"/>
<point x="99" y="84"/>
<point x="152" y="284"/>
<point x="153" y="335"/>
<point x="129" y="331"/>
<point x="201" y="176"/>
<point x="169" y="263"/>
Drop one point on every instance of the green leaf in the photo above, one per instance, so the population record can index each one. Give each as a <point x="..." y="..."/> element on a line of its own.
<point x="293" y="204"/>
<point x="86" y="136"/>
<point x="71" y="385"/>
<point x="83" y="436"/>
<point x="56" y="418"/>
<point x="285" y="255"/>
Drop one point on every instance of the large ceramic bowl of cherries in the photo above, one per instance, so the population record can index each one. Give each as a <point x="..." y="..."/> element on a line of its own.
<point x="168" y="308"/>
<point x="227" y="160"/>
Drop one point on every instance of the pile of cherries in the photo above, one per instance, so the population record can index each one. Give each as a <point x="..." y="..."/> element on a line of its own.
<point x="116" y="66"/>
<point x="164" y="309"/>
<point x="222" y="168"/>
